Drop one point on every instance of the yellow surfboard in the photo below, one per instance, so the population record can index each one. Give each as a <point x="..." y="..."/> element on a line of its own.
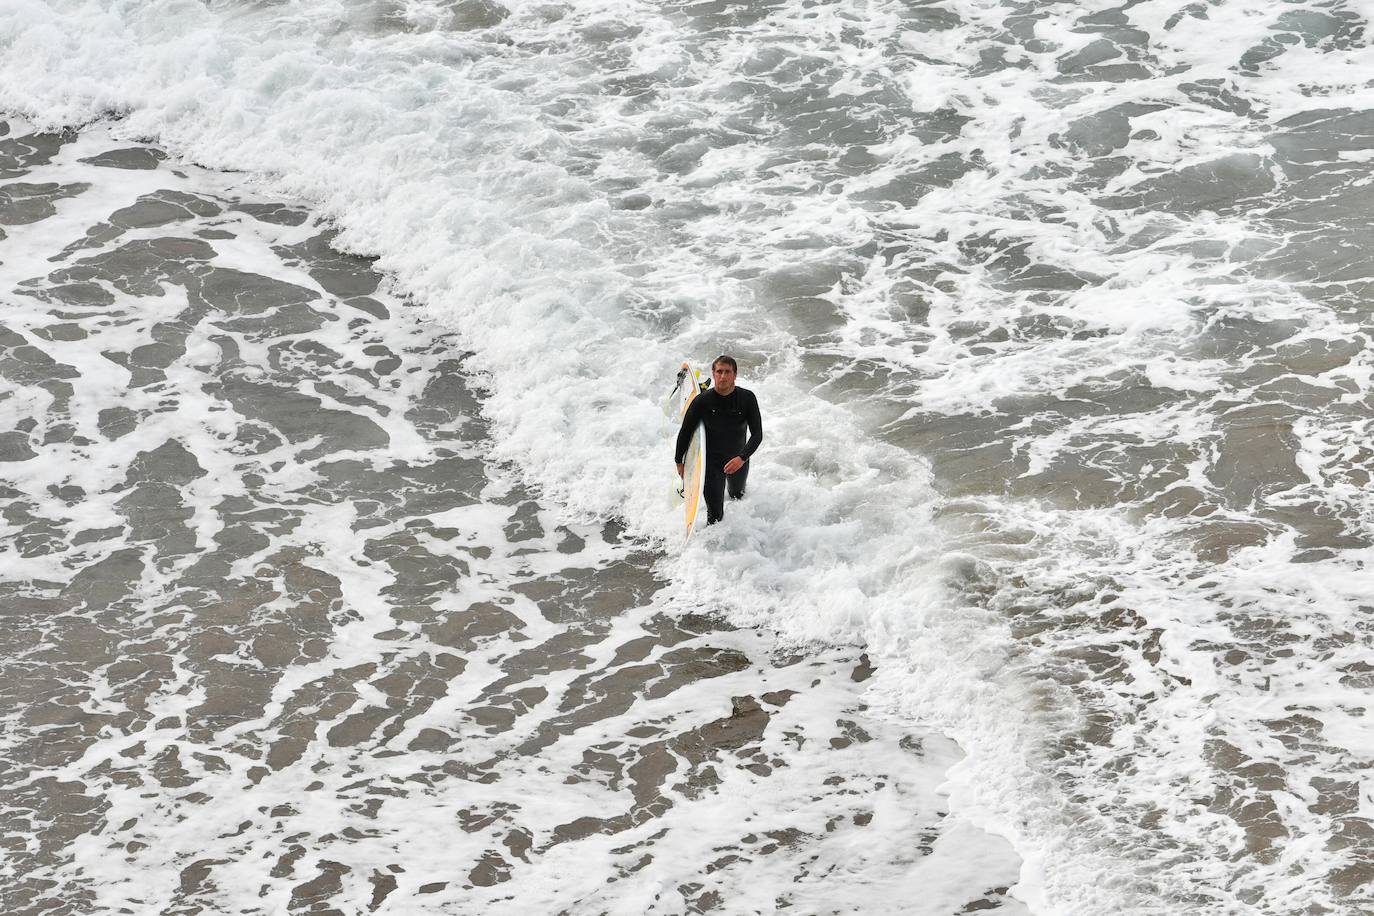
<point x="694" y="462"/>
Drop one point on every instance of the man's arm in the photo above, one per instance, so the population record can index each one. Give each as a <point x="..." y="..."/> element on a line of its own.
<point x="755" y="428"/>
<point x="751" y="416"/>
<point x="690" y="421"/>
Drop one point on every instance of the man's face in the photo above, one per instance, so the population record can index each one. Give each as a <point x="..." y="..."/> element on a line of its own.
<point x="723" y="377"/>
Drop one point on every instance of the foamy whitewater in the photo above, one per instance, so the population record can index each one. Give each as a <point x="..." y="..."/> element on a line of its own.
<point x="1058" y="316"/>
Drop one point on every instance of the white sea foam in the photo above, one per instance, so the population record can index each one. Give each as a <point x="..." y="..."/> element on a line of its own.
<point x="588" y="192"/>
<point x="854" y="822"/>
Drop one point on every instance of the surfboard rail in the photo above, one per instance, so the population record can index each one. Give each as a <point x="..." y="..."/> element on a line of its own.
<point x="688" y="486"/>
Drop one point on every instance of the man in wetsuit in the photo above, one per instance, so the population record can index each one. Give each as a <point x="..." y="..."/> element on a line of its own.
<point x="728" y="412"/>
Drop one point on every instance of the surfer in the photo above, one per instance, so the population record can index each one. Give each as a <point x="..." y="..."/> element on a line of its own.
<point x="728" y="411"/>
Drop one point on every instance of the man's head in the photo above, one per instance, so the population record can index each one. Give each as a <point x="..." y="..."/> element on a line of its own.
<point x="723" y="374"/>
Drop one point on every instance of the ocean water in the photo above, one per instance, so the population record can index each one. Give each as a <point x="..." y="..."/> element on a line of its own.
<point x="286" y="636"/>
<point x="1058" y="316"/>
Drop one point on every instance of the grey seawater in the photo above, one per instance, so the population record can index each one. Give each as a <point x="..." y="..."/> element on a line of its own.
<point x="1183" y="555"/>
<point x="278" y="637"/>
<point x="965" y="242"/>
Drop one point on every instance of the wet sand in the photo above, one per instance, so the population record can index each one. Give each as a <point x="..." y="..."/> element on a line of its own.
<point x="280" y="637"/>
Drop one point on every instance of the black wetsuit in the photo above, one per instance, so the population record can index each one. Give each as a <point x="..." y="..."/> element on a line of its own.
<point x="727" y="419"/>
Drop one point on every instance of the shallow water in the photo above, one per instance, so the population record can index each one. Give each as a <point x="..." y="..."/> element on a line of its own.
<point x="1057" y="313"/>
<point x="282" y="636"/>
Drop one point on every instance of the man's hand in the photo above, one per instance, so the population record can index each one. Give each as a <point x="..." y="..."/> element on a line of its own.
<point x="682" y="470"/>
<point x="734" y="464"/>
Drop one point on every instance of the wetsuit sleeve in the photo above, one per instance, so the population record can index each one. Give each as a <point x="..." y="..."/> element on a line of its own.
<point x="690" y="421"/>
<point x="755" y="428"/>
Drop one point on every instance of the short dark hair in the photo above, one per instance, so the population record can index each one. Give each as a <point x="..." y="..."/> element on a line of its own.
<point x="728" y="360"/>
